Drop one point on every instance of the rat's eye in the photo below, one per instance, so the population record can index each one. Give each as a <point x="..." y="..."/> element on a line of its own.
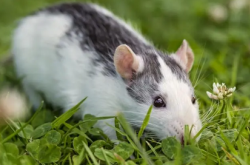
<point x="193" y="99"/>
<point x="158" y="102"/>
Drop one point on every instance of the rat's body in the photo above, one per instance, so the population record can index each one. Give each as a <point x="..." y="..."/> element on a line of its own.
<point x="71" y="51"/>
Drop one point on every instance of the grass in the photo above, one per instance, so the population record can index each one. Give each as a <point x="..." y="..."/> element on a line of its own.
<point x="222" y="50"/>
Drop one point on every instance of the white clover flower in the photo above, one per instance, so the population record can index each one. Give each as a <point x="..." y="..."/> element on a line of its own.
<point x="237" y="5"/>
<point x="220" y="91"/>
<point x="12" y="105"/>
<point x="218" y="12"/>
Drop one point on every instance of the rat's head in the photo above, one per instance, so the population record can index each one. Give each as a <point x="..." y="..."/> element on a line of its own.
<point x="162" y="81"/>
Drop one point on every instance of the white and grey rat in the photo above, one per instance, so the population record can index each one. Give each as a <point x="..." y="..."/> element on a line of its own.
<point x="72" y="50"/>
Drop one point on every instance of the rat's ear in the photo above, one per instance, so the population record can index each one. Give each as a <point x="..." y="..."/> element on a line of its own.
<point x="184" y="56"/>
<point x="127" y="62"/>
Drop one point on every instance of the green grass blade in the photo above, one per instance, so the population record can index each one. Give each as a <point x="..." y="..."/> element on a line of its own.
<point x="201" y="130"/>
<point x="131" y="133"/>
<point x="235" y="69"/>
<point x="186" y="134"/>
<point x="240" y="148"/>
<point x="243" y="127"/>
<point x="90" y="154"/>
<point x="152" y="149"/>
<point x="145" y="122"/>
<point x="228" y="143"/>
<point x="65" y="116"/>
<point x="155" y="148"/>
<point x="105" y="157"/>
<point x="70" y="160"/>
<point x="118" y="135"/>
<point x="242" y="162"/>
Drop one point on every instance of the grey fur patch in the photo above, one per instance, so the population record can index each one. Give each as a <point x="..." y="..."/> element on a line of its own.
<point x="145" y="84"/>
<point x="102" y="33"/>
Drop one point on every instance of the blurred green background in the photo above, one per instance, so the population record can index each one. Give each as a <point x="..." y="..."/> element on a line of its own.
<point x="218" y="32"/>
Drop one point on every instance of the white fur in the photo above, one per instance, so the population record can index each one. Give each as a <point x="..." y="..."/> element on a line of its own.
<point x="59" y="68"/>
<point x="141" y="63"/>
<point x="180" y="110"/>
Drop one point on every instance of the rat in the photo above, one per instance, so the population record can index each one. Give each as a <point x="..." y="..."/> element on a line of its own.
<point x="70" y="51"/>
